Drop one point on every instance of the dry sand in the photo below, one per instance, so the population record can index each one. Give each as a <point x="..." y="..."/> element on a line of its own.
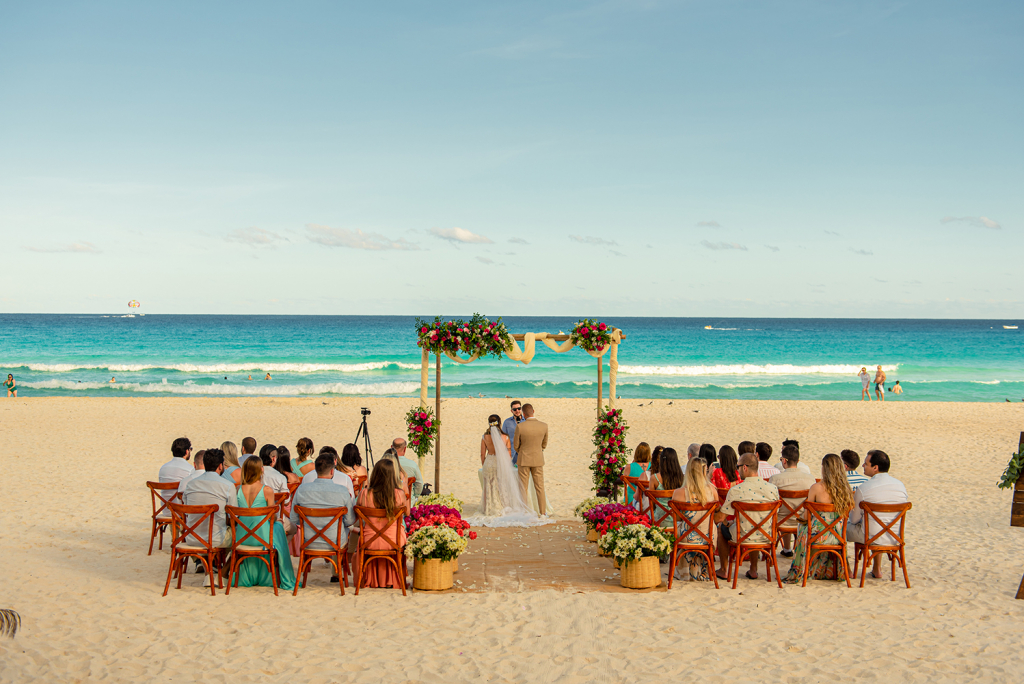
<point x="74" y="530"/>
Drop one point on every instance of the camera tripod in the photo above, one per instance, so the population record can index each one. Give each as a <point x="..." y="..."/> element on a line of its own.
<point x="364" y="430"/>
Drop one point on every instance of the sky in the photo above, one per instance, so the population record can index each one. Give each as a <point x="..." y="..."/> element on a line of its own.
<point x="717" y="158"/>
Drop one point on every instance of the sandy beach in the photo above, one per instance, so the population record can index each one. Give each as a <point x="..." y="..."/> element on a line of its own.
<point x="74" y="515"/>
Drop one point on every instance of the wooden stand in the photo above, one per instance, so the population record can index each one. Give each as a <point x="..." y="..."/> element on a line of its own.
<point x="1017" y="513"/>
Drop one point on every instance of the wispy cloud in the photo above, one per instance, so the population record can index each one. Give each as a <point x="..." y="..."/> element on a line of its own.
<point x="833" y="233"/>
<point x="862" y="252"/>
<point x="521" y="49"/>
<point x="708" y="224"/>
<point x="74" y="248"/>
<point x="772" y="247"/>
<point x="518" y="241"/>
<point x="355" y="239"/>
<point x="253" y="236"/>
<point x="617" y="253"/>
<point x="723" y="245"/>
<point x="484" y="260"/>
<point x="591" y="240"/>
<point x="459" y="235"/>
<point x="976" y="221"/>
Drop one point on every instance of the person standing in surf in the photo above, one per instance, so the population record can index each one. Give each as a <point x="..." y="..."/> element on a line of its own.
<point x="880" y="384"/>
<point x="865" y="382"/>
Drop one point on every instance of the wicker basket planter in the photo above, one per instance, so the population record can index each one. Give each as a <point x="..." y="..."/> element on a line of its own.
<point x="455" y="565"/>
<point x="642" y="574"/>
<point x="592" y="536"/>
<point x="615" y="562"/>
<point x="434" y="574"/>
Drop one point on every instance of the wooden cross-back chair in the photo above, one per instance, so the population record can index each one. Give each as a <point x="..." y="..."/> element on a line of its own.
<point x="264" y="550"/>
<point x="628" y="483"/>
<point x="161" y="513"/>
<point x="746" y="528"/>
<point x="789" y="512"/>
<point x="684" y="527"/>
<point x="373" y="525"/>
<point x="825" y="540"/>
<point x="869" y="549"/>
<point x="190" y="542"/>
<point x="660" y="512"/>
<point x="357" y="483"/>
<point x="641" y="487"/>
<point x="409" y="482"/>
<point x="336" y="555"/>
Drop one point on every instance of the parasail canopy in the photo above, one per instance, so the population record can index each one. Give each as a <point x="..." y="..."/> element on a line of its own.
<point x="134" y="304"/>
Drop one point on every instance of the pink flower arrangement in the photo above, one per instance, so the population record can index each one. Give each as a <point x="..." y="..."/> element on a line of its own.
<point x="422" y="428"/>
<point x="436" y="516"/>
<point x="476" y="336"/>
<point x="591" y="335"/>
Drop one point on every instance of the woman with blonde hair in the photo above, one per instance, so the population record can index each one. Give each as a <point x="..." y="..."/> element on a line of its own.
<point x="232" y="473"/>
<point x="381" y="492"/>
<point x="696" y="489"/>
<point x="833" y="489"/>
<point x="253" y="494"/>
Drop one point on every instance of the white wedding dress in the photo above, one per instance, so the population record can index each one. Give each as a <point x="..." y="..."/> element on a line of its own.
<point x="502" y="504"/>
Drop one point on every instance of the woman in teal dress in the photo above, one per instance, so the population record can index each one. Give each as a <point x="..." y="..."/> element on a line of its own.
<point x="253" y="572"/>
<point x="833" y="489"/>
<point x="641" y="462"/>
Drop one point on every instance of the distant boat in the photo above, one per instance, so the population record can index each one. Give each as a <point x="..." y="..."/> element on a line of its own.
<point x="708" y="327"/>
<point x="1009" y="327"/>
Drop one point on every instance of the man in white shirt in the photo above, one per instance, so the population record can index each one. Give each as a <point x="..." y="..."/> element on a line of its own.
<point x="196" y="472"/>
<point x="881" y="488"/>
<point x="791" y="478"/>
<point x="764" y="452"/>
<point x="178" y="468"/>
<point x="803" y="467"/>
<point x="411" y="467"/>
<point x="248" y="450"/>
<point x="338" y="478"/>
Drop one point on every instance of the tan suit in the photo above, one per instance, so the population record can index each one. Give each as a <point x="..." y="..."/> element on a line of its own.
<point x="530" y="441"/>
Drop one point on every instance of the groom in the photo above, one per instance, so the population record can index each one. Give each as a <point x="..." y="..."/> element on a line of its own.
<point x="530" y="441"/>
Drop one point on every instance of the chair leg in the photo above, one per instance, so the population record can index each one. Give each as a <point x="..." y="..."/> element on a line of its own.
<point x="856" y="559"/>
<point x="672" y="566"/>
<point x="735" y="569"/>
<point x="903" y="564"/>
<point x="272" y="563"/>
<point x="341" y="573"/>
<point x="152" y="536"/>
<point x="775" y="564"/>
<point x="182" y="566"/>
<point x="846" y="568"/>
<point x="866" y="559"/>
<point x="169" y="571"/>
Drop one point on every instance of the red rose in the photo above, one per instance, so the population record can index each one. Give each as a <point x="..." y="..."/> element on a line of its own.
<point x="428" y="423"/>
<point x="602" y="327"/>
<point x="472" y="535"/>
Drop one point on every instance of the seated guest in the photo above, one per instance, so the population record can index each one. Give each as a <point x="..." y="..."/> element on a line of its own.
<point x="381" y="492"/>
<point x="639" y="466"/>
<point x="338" y="477"/>
<point x="409" y="466"/>
<point x="178" y="467"/>
<point x="209" y="488"/>
<point x="833" y="489"/>
<point x="277" y="482"/>
<point x="710" y="457"/>
<point x="199" y="470"/>
<point x="401" y="479"/>
<point x="764" y="452"/>
<point x="324" y="493"/>
<point x="670" y="474"/>
<point x="655" y="466"/>
<point x="252" y="493"/>
<point x="726" y="474"/>
<point x="851" y="459"/>
<point x="232" y="471"/>
<point x="351" y="462"/>
<point x="696" y="489"/>
<point x="248" y="450"/>
<point x="791" y="477"/>
<point x="753" y="489"/>
<point x="692" y="452"/>
<point x="283" y="464"/>
<point x="305" y="456"/>
<point x="881" y="488"/>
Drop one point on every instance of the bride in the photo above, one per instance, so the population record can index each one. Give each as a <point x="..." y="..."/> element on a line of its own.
<point x="502" y="504"/>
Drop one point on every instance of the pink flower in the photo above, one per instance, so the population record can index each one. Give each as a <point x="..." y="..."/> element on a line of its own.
<point x="423" y="329"/>
<point x="585" y="331"/>
<point x="418" y="428"/>
<point x="422" y="415"/>
<point x="602" y="327"/>
<point x="428" y="423"/>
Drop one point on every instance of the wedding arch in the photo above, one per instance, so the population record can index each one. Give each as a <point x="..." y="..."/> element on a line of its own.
<point x="481" y="337"/>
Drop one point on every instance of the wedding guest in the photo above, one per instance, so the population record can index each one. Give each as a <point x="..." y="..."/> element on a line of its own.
<point x="248" y="450"/>
<point x="692" y="452"/>
<point x="304" y="449"/>
<point x="200" y="468"/>
<point x="381" y="492"/>
<point x="851" y="459"/>
<point x="338" y="477"/>
<point x="178" y="467"/>
<point x="232" y="471"/>
<point x="277" y="482"/>
<point x="252" y="493"/>
<point x="764" y="452"/>
<point x="710" y="457"/>
<point x="409" y="466"/>
<point x="655" y="463"/>
<point x="726" y="474"/>
<point x="833" y="489"/>
<point x="881" y="488"/>
<point x="351" y="462"/>
<point x="641" y="463"/>
<point x="284" y="464"/>
<point x="212" y="489"/>
<point x="509" y="426"/>
<point x="753" y="489"/>
<point x="696" y="489"/>
<point x="324" y="493"/>
<point x="791" y="477"/>
<point x="670" y="474"/>
<point x="401" y="477"/>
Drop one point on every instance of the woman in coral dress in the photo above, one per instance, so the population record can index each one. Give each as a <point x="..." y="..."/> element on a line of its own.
<point x="381" y="492"/>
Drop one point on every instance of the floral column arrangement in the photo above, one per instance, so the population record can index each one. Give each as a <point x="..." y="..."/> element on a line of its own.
<point x="422" y="426"/>
<point x="611" y="454"/>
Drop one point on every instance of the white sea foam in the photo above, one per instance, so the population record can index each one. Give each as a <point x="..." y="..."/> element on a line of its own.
<point x="261" y="389"/>
<point x="220" y="367"/>
<point x="747" y="369"/>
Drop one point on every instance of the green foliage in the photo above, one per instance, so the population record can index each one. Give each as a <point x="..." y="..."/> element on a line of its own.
<point x="1013" y="470"/>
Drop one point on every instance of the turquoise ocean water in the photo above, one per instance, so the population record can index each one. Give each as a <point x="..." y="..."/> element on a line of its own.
<point x="163" y="355"/>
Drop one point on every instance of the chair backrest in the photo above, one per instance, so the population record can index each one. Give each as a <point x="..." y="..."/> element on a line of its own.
<point x="722" y="493"/>
<point x="161" y="500"/>
<point x="690" y="526"/>
<point x="409" y="482"/>
<point x="767" y="526"/>
<point x="294" y="487"/>
<point x="885" y="533"/>
<point x="265" y="516"/>
<point x="191" y="535"/>
<point x="792" y="502"/>
<point x="332" y="515"/>
<point x="376" y="522"/>
<point x="659" y="510"/>
<point x="836" y="528"/>
<point x="628" y="483"/>
<point x="357" y="483"/>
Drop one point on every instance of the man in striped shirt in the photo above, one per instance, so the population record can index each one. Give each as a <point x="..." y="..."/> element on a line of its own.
<point x="851" y="459"/>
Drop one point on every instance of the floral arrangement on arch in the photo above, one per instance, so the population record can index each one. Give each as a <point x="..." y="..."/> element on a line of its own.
<point x="591" y="335"/>
<point x="596" y="516"/>
<point x="478" y="336"/>
<point x="434" y="515"/>
<point x="445" y="500"/>
<point x="589" y="503"/>
<point x="435" y="541"/>
<point x="633" y="542"/>
<point x="422" y="425"/>
<point x="611" y="453"/>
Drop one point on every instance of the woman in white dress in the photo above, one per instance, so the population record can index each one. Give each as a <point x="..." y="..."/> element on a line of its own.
<point x="502" y="503"/>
